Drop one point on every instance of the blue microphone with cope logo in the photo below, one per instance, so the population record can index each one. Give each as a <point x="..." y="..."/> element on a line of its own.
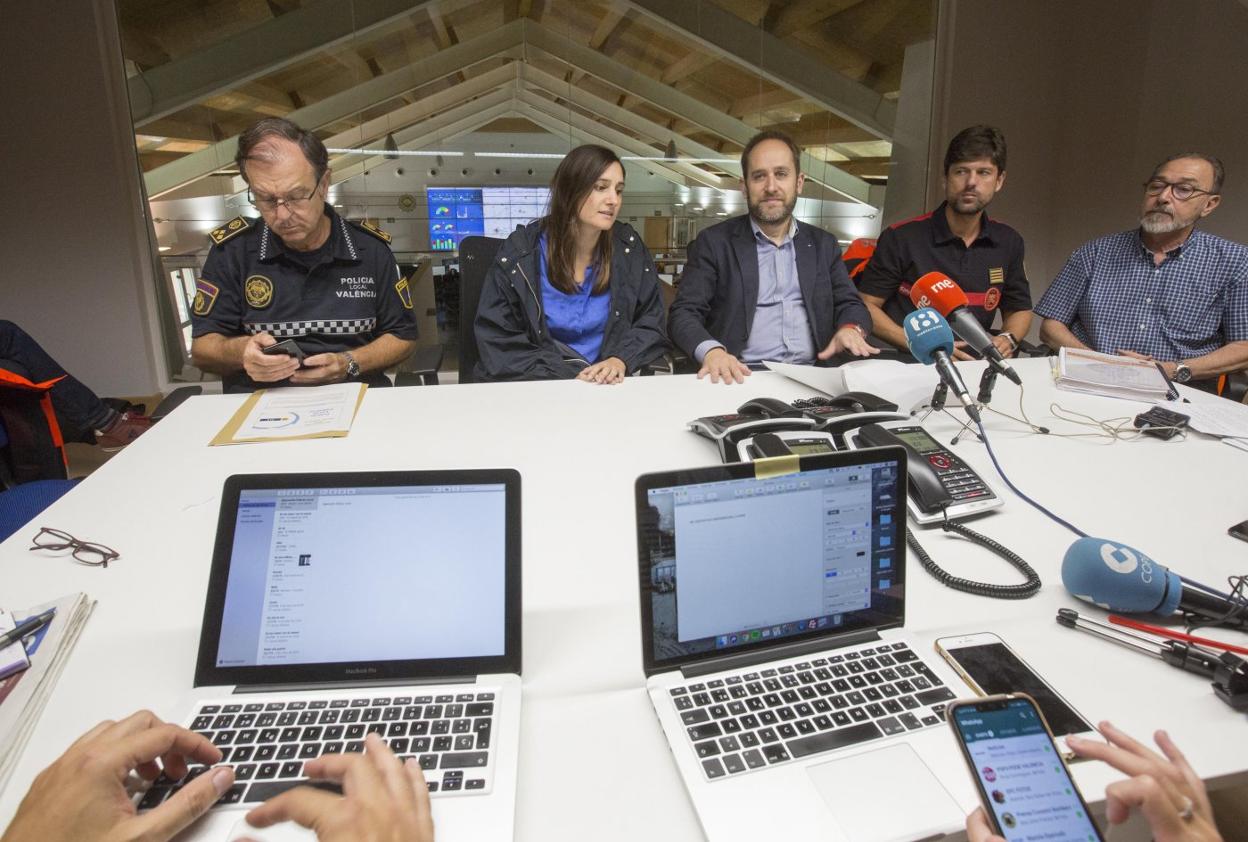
<point x="930" y="340"/>
<point x="1121" y="578"/>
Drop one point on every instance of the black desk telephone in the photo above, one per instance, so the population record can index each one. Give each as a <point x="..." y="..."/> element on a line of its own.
<point x="941" y="484"/>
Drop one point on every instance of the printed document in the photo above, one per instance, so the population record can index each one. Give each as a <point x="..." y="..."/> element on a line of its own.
<point x="294" y="413"/>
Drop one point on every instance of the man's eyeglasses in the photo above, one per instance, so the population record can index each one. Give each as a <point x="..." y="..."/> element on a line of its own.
<point x="85" y="552"/>
<point x="1180" y="191"/>
<point x="266" y="204"/>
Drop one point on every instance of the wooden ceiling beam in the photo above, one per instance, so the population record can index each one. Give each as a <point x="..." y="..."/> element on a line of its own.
<point x="690" y="63"/>
<point x="606" y="26"/>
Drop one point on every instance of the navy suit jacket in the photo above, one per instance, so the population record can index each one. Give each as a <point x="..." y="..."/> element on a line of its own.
<point x="719" y="288"/>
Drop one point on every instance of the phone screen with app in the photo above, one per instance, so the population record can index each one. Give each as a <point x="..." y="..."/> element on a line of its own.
<point x="1021" y="777"/>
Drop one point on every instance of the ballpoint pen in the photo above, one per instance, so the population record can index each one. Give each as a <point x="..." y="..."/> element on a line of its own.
<point x="28" y="626"/>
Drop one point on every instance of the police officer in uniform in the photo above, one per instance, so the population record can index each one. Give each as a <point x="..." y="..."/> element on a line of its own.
<point x="300" y="272"/>
<point x="983" y="256"/>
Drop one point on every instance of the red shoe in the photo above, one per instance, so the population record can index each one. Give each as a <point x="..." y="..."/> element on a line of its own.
<point x="125" y="429"/>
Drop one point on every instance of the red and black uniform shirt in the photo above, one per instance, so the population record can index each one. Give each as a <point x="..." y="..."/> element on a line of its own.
<point x="990" y="271"/>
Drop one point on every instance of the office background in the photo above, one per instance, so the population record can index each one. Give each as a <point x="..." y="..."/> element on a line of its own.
<point x="1089" y="94"/>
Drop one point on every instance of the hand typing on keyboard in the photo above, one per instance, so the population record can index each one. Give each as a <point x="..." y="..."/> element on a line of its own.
<point x="83" y="794"/>
<point x="86" y="793"/>
<point x="383" y="799"/>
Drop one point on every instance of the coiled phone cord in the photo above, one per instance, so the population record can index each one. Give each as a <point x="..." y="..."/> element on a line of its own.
<point x="1026" y="589"/>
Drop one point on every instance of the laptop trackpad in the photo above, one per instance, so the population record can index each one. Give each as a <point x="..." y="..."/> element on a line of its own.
<point x="885" y="795"/>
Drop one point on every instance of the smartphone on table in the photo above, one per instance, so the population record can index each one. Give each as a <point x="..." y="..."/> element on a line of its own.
<point x="1024" y="785"/>
<point x="1239" y="530"/>
<point x="288" y="347"/>
<point x="992" y="668"/>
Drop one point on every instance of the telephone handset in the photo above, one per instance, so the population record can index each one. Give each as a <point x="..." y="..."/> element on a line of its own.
<point x="941" y="485"/>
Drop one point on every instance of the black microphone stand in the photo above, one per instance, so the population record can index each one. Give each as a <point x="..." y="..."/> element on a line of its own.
<point x="986" y="384"/>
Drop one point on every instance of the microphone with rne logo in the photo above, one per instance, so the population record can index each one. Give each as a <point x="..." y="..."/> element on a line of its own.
<point x="931" y="341"/>
<point x="1120" y="578"/>
<point x="938" y="291"/>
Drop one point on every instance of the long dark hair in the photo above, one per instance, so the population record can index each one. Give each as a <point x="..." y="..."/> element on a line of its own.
<point x="573" y="180"/>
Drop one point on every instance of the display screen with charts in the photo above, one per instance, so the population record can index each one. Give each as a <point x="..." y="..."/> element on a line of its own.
<point x="455" y="213"/>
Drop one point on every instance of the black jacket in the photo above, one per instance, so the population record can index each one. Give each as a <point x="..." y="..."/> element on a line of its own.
<point x="513" y="340"/>
<point x="719" y="287"/>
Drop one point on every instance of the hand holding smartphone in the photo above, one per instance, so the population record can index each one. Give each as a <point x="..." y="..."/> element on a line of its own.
<point x="288" y="347"/>
<point x="1025" y="788"/>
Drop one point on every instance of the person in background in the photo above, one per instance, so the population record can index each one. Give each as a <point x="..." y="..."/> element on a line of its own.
<point x="765" y="286"/>
<point x="79" y="411"/>
<point x="983" y="256"/>
<point x="1165" y="291"/>
<point x="575" y="293"/>
<point x="1165" y="789"/>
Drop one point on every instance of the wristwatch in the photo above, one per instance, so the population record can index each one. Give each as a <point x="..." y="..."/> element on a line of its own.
<point x="1013" y="341"/>
<point x="1182" y="374"/>
<point x="353" y="368"/>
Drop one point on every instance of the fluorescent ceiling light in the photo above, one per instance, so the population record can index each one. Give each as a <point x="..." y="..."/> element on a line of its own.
<point x="390" y="153"/>
<point x="164" y="248"/>
<point x="519" y="154"/>
<point x="682" y="159"/>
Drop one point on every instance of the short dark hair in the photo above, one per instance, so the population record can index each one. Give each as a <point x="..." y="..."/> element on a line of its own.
<point x="313" y="150"/>
<point x="977" y="143"/>
<point x="770" y="134"/>
<point x="1219" y="172"/>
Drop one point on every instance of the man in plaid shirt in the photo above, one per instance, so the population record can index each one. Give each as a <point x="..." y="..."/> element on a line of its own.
<point x="1165" y="291"/>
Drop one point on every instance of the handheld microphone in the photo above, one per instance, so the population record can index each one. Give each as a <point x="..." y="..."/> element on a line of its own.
<point x="1120" y="578"/>
<point x="931" y="341"/>
<point x="938" y="291"/>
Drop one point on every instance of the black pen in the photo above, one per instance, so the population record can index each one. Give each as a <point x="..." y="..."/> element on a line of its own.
<point x="1171" y="391"/>
<point x="28" y="626"/>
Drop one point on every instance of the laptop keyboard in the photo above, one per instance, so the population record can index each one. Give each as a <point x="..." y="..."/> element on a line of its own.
<point x="267" y="742"/>
<point x="757" y="719"/>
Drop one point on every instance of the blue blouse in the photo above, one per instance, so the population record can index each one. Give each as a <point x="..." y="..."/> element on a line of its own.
<point x="579" y="319"/>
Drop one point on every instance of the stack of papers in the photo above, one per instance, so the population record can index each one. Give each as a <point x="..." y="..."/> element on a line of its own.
<point x="1216" y="417"/>
<point x="1080" y="370"/>
<point x="294" y="412"/>
<point x="24" y="694"/>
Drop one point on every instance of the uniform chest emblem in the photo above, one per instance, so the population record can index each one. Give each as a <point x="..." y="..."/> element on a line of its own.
<point x="992" y="298"/>
<point x="258" y="290"/>
<point x="996" y="275"/>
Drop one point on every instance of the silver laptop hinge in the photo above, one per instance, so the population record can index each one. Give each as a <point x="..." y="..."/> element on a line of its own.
<point x="791" y="650"/>
<point x="343" y="685"/>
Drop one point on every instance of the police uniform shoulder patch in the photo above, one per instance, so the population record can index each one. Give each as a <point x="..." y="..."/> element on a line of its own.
<point x="404" y="289"/>
<point x="205" y="297"/>
<point x="375" y="231"/>
<point x="229" y="230"/>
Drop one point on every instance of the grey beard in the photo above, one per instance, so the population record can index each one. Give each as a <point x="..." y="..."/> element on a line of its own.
<point x="1159" y="223"/>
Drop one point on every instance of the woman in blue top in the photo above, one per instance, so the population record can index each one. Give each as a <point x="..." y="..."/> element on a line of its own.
<point x="575" y="293"/>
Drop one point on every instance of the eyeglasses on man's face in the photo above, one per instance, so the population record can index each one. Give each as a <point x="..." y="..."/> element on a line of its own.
<point x="1179" y="190"/>
<point x="84" y="552"/>
<point x="293" y="203"/>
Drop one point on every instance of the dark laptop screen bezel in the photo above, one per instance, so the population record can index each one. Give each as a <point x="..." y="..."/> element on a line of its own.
<point x="207" y="673"/>
<point x="860" y="620"/>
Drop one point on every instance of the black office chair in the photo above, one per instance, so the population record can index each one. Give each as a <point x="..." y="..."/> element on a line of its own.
<point x="476" y="256"/>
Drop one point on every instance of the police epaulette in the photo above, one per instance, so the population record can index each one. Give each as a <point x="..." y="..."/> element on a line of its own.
<point x="233" y="228"/>
<point x="374" y="230"/>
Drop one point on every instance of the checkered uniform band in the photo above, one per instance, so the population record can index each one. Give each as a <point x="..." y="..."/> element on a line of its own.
<point x="321" y="327"/>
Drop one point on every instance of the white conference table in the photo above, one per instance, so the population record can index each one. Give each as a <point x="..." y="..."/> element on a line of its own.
<point x="593" y="759"/>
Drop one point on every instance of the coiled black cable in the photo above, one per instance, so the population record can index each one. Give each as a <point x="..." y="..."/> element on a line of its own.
<point x="946" y="578"/>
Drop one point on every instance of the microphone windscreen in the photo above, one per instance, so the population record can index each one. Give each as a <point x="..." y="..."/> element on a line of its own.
<point x="938" y="291"/>
<point x="1119" y="578"/>
<point x="926" y="333"/>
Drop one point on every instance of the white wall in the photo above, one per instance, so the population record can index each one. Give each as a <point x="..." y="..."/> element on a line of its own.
<point x="77" y="269"/>
<point x="1091" y="94"/>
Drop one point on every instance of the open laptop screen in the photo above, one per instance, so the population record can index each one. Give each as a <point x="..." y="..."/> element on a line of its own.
<point x="731" y="562"/>
<point x="318" y="576"/>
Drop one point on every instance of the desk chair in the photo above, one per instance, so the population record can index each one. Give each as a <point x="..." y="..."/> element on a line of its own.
<point x="20" y="505"/>
<point x="476" y="256"/>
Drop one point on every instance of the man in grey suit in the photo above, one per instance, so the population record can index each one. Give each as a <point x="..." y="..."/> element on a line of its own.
<point x="765" y="286"/>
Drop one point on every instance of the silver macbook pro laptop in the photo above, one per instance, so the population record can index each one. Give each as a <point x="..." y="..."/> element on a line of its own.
<point x="341" y="604"/>
<point x="772" y="603"/>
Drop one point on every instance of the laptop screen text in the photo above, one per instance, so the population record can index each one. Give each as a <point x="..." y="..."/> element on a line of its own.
<point x="340" y="575"/>
<point x="749" y="561"/>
